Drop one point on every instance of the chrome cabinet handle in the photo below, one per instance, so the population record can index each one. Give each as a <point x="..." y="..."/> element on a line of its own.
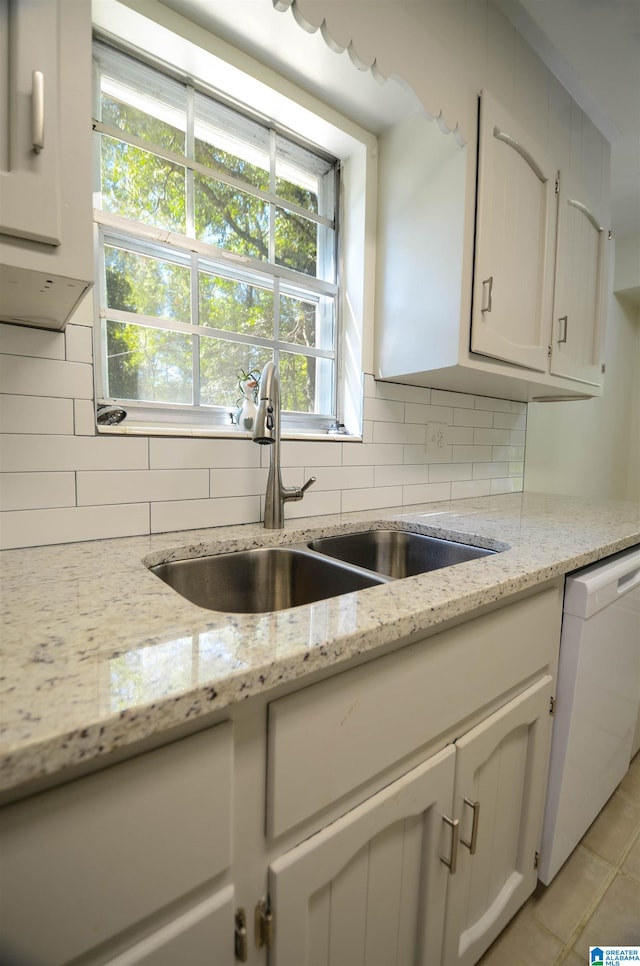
<point x="564" y="322"/>
<point x="473" y="842"/>
<point x="452" y="862"/>
<point x="487" y="294"/>
<point x="37" y="111"/>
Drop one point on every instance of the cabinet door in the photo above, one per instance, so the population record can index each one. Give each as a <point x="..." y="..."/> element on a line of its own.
<point x="29" y="136"/>
<point x="515" y="243"/>
<point x="501" y="770"/>
<point x="580" y="288"/>
<point x="370" y="887"/>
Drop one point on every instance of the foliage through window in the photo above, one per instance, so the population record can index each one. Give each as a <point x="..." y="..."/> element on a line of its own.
<point x="217" y="241"/>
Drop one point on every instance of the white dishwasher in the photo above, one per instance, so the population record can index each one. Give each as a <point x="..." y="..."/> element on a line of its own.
<point x="597" y="701"/>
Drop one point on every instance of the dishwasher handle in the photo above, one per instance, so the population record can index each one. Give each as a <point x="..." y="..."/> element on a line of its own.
<point x="629" y="581"/>
<point x="595" y="587"/>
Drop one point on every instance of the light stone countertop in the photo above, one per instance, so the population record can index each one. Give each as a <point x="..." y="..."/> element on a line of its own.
<point x="97" y="653"/>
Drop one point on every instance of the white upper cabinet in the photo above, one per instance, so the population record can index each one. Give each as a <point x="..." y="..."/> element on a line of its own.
<point x="46" y="261"/>
<point x="515" y="243"/>
<point x="29" y="173"/>
<point x="492" y="276"/>
<point x="579" y="303"/>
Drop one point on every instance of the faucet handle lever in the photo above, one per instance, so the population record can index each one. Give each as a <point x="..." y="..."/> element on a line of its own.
<point x="310" y="482"/>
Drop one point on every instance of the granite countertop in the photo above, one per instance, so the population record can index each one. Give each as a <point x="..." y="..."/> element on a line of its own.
<point x="97" y="653"/>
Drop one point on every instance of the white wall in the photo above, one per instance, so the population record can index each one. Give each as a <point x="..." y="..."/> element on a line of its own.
<point x="592" y="447"/>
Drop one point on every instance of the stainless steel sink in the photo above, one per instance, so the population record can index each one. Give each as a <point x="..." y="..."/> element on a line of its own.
<point x="396" y="553"/>
<point x="261" y="580"/>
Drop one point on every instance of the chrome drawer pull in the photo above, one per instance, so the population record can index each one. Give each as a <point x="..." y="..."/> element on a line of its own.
<point x="37" y="111"/>
<point x="473" y="842"/>
<point x="452" y="862"/>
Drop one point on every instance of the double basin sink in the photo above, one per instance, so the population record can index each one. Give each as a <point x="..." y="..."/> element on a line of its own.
<point x="276" y="578"/>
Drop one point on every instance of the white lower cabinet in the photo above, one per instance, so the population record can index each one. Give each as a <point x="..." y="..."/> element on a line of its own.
<point x="200" y="936"/>
<point x="431" y="868"/>
<point x="501" y="776"/>
<point x="389" y="814"/>
<point x="370" y="888"/>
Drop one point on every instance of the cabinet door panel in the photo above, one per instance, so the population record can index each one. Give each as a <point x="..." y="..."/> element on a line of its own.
<point x="502" y="766"/>
<point x="370" y="887"/>
<point x="580" y="286"/>
<point x="515" y="234"/>
<point x="204" y="934"/>
<point x="102" y="853"/>
<point x="29" y="180"/>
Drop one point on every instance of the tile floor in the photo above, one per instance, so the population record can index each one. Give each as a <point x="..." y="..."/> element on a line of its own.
<point x="593" y="900"/>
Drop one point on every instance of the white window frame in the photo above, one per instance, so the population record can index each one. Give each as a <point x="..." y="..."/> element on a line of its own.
<point x="267" y="92"/>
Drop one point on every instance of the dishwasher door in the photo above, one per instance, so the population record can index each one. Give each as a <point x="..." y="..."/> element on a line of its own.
<point x="597" y="701"/>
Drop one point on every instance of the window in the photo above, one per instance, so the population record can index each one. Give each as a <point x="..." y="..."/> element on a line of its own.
<point x="217" y="248"/>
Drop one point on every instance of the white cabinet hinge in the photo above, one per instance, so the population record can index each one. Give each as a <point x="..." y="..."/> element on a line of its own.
<point x="558" y="183"/>
<point x="552" y="705"/>
<point x="603" y="368"/>
<point x="536" y="860"/>
<point x="263" y="924"/>
<point x="549" y="351"/>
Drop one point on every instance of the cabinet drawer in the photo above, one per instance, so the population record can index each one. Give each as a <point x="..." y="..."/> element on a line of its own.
<point x="330" y="738"/>
<point x="84" y="861"/>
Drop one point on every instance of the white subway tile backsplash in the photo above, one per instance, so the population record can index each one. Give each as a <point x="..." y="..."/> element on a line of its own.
<point x="399" y="433"/>
<point x="79" y="343"/>
<point x="471" y="454"/>
<point x="34" y="491"/>
<point x="511" y="453"/>
<point x="339" y="477"/>
<point x="487" y="471"/>
<point x="141" y="486"/>
<point x="46" y="377"/>
<point x="495" y="405"/>
<point x="424" y="413"/>
<point x="510" y="421"/>
<point x="193" y="514"/>
<point x="20" y="340"/>
<point x="466" y="488"/>
<point x="35" y="528"/>
<point x="296" y="452"/>
<point x="167" y="454"/>
<point x="23" y="454"/>
<point x="450" y="472"/>
<point x="407" y="394"/>
<point x="506" y="485"/>
<point x="472" y="417"/>
<point x="84" y="419"/>
<point x="241" y="481"/>
<point x="442" y="397"/>
<point x="62" y="482"/>
<point x="371" y="499"/>
<point x="401" y="475"/>
<point x="425" y="493"/>
<point x="372" y="454"/>
<point x="36" y="415"/>
<point x="384" y="410"/>
<point x="316" y="502"/>
<point x="491" y="437"/>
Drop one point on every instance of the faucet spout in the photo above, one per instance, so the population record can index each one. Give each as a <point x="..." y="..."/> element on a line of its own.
<point x="266" y="431"/>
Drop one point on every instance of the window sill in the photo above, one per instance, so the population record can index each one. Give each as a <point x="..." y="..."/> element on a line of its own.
<point x="215" y="432"/>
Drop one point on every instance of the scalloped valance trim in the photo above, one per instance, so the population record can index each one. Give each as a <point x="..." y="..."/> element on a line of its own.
<point x="363" y="64"/>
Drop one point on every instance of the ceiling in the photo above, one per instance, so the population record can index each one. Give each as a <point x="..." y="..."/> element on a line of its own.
<point x="593" y="47"/>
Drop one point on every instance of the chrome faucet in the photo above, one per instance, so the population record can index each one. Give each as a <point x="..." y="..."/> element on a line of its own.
<point x="266" y="430"/>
